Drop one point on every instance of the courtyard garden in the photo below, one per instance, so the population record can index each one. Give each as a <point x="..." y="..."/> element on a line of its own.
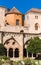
<point x="33" y="47"/>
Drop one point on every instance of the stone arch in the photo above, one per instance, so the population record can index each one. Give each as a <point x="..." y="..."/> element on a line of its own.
<point x="7" y="41"/>
<point x="16" y="53"/>
<point x="12" y="43"/>
<point x="30" y="39"/>
<point x="27" y="42"/>
<point x="10" y="52"/>
<point x="36" y="26"/>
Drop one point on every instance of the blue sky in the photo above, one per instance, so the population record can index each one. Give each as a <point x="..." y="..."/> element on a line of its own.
<point x="22" y="5"/>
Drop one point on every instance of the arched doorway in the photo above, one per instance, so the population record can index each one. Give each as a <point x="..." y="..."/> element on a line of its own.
<point x="24" y="52"/>
<point x="16" y="53"/>
<point x="10" y="52"/>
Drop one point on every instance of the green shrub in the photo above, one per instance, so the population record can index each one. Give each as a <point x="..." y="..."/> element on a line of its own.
<point x="19" y="63"/>
<point x="33" y="62"/>
<point x="4" y="57"/>
<point x="11" y="62"/>
<point x="2" y="49"/>
<point x="16" y="63"/>
<point x="27" y="61"/>
<point x="0" y="62"/>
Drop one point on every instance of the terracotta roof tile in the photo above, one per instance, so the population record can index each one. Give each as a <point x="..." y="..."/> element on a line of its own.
<point x="34" y="10"/>
<point x="14" y="10"/>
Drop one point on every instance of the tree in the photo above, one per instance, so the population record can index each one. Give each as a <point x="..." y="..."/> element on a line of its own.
<point x="2" y="49"/>
<point x="34" y="45"/>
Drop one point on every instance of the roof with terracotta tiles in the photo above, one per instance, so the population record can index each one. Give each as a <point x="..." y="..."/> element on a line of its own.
<point x="34" y="10"/>
<point x="14" y="10"/>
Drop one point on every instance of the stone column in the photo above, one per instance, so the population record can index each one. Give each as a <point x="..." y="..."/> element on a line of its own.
<point x="13" y="53"/>
<point x="7" y="52"/>
<point x="21" y="53"/>
<point x="32" y="55"/>
<point x="27" y="54"/>
<point x="36" y="54"/>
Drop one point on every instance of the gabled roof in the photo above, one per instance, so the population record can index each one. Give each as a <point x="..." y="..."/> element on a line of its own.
<point x="34" y="10"/>
<point x="14" y="10"/>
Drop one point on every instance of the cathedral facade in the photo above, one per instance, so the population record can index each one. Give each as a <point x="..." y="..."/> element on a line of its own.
<point x="15" y="31"/>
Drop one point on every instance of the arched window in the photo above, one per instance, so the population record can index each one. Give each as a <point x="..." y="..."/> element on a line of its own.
<point x="16" y="53"/>
<point x="17" y="21"/>
<point x="10" y="52"/>
<point x="36" y="26"/>
<point x="21" y="31"/>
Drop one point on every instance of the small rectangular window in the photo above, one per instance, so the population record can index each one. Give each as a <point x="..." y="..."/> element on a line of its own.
<point x="36" y="26"/>
<point x="17" y="22"/>
<point x="36" y="17"/>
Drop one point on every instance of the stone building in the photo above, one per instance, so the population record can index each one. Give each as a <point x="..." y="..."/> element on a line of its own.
<point x="15" y="31"/>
